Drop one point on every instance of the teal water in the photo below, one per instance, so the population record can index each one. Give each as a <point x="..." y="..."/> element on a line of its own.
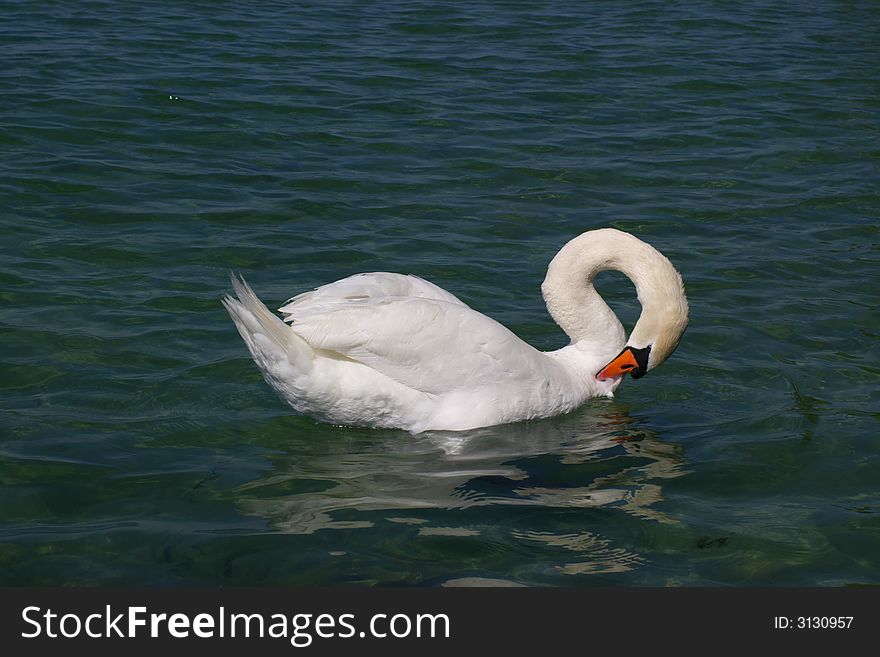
<point x="149" y="150"/>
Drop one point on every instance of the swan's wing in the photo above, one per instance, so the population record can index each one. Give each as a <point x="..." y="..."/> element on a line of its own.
<point x="432" y="345"/>
<point x="362" y="288"/>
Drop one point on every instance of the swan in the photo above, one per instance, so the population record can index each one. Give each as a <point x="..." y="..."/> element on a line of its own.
<point x="391" y="350"/>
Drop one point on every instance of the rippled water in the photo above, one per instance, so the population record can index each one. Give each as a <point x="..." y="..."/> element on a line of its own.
<point x="149" y="150"/>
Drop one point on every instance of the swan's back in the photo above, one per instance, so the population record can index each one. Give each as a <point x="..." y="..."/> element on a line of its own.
<point x="362" y="288"/>
<point x="413" y="332"/>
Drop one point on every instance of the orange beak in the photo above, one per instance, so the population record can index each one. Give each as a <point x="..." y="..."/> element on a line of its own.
<point x="624" y="363"/>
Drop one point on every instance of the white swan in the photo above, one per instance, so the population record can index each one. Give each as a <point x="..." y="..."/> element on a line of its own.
<point x="389" y="350"/>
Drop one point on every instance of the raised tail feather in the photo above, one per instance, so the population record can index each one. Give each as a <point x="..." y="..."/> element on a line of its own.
<point x="270" y="341"/>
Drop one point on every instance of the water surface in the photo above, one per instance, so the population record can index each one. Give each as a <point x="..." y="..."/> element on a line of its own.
<point x="149" y="150"/>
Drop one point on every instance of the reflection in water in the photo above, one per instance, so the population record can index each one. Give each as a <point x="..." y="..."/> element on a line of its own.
<point x="601" y="557"/>
<point x="595" y="459"/>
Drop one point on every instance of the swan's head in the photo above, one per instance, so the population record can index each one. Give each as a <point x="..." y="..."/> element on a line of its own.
<point x="655" y="336"/>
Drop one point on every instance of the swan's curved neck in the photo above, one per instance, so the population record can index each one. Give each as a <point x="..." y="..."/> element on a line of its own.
<point x="581" y="312"/>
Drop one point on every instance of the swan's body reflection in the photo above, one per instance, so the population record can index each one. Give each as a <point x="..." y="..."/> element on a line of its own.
<point x="533" y="477"/>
